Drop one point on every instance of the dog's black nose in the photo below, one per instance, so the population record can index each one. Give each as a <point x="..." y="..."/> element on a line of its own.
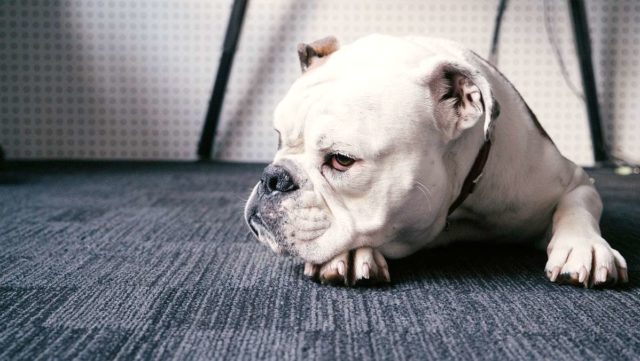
<point x="277" y="179"/>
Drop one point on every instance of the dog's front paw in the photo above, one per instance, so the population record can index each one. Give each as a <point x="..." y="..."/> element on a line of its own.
<point x="334" y="272"/>
<point x="369" y="267"/>
<point x="362" y="266"/>
<point x="586" y="262"/>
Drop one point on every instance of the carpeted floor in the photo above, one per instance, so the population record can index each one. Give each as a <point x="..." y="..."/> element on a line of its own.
<point x="153" y="261"/>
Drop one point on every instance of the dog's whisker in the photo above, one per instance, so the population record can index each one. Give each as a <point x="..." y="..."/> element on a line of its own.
<point x="424" y="190"/>
<point x="241" y="198"/>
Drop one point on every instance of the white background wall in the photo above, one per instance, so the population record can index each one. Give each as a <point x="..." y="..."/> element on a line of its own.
<point x="131" y="79"/>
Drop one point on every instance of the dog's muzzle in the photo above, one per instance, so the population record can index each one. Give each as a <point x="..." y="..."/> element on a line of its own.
<point x="262" y="213"/>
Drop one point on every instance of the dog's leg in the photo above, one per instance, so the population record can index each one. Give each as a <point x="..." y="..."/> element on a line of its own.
<point x="362" y="266"/>
<point x="577" y="253"/>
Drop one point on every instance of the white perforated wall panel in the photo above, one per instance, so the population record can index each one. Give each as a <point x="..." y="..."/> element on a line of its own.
<point x="106" y="79"/>
<point x="131" y="79"/>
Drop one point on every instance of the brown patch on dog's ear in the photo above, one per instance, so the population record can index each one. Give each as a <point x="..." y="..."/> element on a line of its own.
<point x="315" y="53"/>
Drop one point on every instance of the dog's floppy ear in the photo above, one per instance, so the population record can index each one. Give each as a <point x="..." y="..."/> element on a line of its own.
<point x="461" y="96"/>
<point x="314" y="54"/>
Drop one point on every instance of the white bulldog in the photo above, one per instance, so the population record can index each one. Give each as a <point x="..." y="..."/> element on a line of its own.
<point x="390" y="145"/>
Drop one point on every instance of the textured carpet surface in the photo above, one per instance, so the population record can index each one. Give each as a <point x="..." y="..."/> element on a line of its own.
<point x="153" y="261"/>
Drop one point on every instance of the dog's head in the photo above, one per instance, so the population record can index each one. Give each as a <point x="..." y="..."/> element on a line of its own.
<point x="364" y="135"/>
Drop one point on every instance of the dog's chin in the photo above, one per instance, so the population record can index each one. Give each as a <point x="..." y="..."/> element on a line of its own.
<point x="264" y="235"/>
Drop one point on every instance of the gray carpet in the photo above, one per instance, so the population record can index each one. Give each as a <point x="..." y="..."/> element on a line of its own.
<point x="153" y="261"/>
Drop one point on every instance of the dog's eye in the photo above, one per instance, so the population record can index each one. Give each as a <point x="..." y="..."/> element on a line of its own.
<point x="341" y="162"/>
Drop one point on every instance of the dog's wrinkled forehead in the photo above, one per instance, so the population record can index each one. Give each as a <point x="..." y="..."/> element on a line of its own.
<point x="340" y="90"/>
<point x="345" y="113"/>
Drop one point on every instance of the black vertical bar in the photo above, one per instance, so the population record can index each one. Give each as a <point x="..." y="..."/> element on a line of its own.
<point x="229" y="46"/>
<point x="493" y="52"/>
<point x="1" y="158"/>
<point x="583" y="47"/>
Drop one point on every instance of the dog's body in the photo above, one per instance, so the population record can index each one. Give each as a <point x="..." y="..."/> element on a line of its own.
<point x="382" y="142"/>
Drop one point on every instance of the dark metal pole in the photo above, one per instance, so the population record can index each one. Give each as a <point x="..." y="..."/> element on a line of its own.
<point x="493" y="52"/>
<point x="583" y="47"/>
<point x="1" y="158"/>
<point x="234" y="27"/>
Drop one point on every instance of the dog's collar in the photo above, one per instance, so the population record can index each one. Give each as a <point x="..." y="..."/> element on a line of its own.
<point x="473" y="177"/>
